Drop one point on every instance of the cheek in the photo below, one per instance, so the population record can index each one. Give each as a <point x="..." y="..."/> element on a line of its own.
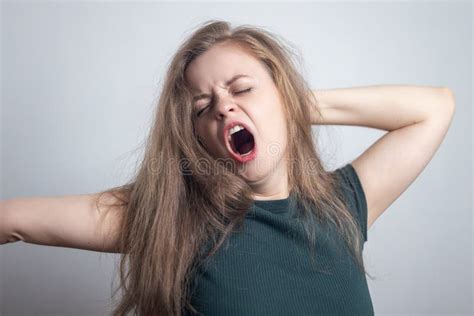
<point x="270" y="124"/>
<point x="208" y="134"/>
<point x="265" y="112"/>
<point x="278" y="122"/>
<point x="202" y="128"/>
<point x="271" y="114"/>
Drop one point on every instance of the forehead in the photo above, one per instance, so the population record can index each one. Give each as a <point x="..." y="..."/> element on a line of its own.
<point x="219" y="64"/>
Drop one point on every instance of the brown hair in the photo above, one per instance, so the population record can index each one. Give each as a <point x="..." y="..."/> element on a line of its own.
<point x="181" y="198"/>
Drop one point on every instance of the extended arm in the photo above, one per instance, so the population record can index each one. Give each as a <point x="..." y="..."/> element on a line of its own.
<point x="72" y="221"/>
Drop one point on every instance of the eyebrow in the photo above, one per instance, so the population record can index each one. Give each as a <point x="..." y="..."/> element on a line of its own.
<point x="228" y="83"/>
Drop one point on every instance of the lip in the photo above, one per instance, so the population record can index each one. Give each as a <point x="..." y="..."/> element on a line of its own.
<point x="241" y="159"/>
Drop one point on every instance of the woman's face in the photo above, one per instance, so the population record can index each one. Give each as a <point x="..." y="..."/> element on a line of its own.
<point x="251" y="99"/>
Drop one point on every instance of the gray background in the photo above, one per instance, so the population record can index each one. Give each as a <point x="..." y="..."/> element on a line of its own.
<point x="80" y="80"/>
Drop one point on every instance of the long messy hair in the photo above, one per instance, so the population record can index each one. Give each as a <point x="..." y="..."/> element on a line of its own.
<point x="181" y="198"/>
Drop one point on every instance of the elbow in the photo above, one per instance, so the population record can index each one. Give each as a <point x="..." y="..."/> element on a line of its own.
<point x="449" y="97"/>
<point x="443" y="105"/>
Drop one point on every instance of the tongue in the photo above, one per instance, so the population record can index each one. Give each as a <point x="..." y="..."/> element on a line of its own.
<point x="243" y="141"/>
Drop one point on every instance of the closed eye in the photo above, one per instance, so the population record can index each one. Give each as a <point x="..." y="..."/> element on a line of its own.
<point x="246" y="90"/>
<point x="207" y="105"/>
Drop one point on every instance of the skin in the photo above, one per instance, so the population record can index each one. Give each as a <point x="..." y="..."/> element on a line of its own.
<point x="261" y="109"/>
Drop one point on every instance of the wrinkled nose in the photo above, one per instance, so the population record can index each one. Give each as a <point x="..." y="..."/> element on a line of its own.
<point x="223" y="107"/>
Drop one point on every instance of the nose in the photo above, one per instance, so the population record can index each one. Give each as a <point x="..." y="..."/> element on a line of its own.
<point x="223" y="107"/>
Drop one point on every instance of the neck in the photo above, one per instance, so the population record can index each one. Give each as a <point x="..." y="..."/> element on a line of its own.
<point x="265" y="197"/>
<point x="273" y="187"/>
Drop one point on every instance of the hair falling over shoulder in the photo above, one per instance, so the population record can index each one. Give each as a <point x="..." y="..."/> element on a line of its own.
<point x="181" y="199"/>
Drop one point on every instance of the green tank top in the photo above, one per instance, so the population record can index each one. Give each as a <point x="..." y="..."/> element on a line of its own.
<point x="265" y="269"/>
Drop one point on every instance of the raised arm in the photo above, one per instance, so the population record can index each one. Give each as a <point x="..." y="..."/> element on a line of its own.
<point x="417" y="119"/>
<point x="72" y="221"/>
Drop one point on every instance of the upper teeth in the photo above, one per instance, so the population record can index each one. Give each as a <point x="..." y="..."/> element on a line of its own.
<point x="234" y="129"/>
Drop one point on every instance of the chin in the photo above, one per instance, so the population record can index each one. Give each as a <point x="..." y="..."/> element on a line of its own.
<point x="254" y="173"/>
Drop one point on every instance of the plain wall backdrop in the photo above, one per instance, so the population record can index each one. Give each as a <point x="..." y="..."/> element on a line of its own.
<point x="80" y="81"/>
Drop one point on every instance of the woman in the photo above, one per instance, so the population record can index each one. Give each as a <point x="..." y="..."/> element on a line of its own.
<point x="232" y="211"/>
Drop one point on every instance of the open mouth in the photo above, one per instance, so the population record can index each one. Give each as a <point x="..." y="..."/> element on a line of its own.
<point x="241" y="143"/>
